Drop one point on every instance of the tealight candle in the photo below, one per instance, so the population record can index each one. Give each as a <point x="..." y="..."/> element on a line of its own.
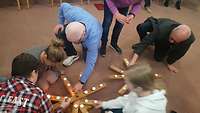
<point x="95" y="101"/>
<point x="64" y="78"/>
<point x="156" y="75"/>
<point x="76" y="105"/>
<point x="48" y="96"/>
<point x="58" y="97"/>
<point x="93" y="88"/>
<point x="86" y="92"/>
<point x="81" y="105"/>
<point x="101" y="85"/>
<point x="86" y="100"/>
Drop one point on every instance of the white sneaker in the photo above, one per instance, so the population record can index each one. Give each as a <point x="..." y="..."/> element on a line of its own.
<point x="70" y="60"/>
<point x="148" y="9"/>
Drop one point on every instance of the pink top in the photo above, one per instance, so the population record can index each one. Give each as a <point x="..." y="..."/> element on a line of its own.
<point x="114" y="4"/>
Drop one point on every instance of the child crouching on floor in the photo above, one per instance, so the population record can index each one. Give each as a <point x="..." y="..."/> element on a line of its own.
<point x="143" y="96"/>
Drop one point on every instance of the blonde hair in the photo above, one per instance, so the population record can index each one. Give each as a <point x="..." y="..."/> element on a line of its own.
<point x="141" y="76"/>
<point x="55" y="52"/>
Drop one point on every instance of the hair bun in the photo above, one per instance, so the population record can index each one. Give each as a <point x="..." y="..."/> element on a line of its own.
<point x="57" y="42"/>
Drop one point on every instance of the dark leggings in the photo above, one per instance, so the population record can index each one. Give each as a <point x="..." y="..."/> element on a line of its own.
<point x="147" y="3"/>
<point x="108" y="16"/>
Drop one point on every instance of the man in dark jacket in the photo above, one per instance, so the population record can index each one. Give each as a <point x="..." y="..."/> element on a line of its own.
<point x="170" y="38"/>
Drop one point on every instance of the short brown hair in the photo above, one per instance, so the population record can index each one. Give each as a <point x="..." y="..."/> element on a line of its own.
<point x="24" y="64"/>
<point x="141" y="75"/>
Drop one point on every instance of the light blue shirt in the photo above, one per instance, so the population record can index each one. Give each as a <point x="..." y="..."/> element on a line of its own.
<point x="69" y="13"/>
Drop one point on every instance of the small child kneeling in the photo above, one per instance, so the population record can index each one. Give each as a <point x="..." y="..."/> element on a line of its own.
<point x="143" y="96"/>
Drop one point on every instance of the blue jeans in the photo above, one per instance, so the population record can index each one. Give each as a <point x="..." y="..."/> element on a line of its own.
<point x="108" y="16"/>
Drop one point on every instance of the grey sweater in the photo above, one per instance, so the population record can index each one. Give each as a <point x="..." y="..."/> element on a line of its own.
<point x="36" y="51"/>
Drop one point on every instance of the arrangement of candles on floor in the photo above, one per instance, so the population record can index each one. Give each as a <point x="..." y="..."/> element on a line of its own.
<point x="121" y="76"/>
<point x="79" y="103"/>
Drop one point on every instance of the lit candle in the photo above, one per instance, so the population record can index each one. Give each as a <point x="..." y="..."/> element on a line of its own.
<point x="64" y="78"/>
<point x="156" y="75"/>
<point x="81" y="105"/>
<point x="48" y="96"/>
<point x="76" y="105"/>
<point x="93" y="88"/>
<point x="68" y="84"/>
<point x="86" y="92"/>
<point x="58" y="97"/>
<point x="116" y="76"/>
<point x="95" y="101"/>
<point x="86" y="100"/>
<point x="123" y="75"/>
<point x="101" y="85"/>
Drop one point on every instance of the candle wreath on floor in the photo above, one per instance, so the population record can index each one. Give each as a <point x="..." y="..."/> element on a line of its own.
<point x="121" y="76"/>
<point x="79" y="103"/>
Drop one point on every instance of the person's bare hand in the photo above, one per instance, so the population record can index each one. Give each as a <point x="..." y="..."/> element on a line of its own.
<point x="121" y="18"/>
<point x="129" y="19"/>
<point x="172" y="68"/>
<point x="58" y="27"/>
<point x="78" y="87"/>
<point x="132" y="63"/>
<point x="65" y="103"/>
<point x="133" y="60"/>
<point x="98" y="105"/>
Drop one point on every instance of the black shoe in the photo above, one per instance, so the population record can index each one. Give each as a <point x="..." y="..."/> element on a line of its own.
<point x="116" y="48"/>
<point x="166" y="4"/>
<point x="103" y="51"/>
<point x="173" y="112"/>
<point x="178" y="5"/>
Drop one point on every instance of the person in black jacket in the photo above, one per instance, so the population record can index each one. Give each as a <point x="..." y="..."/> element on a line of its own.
<point x="170" y="38"/>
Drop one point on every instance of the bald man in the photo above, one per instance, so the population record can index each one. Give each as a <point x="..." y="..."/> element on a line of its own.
<point x="77" y="26"/>
<point x="170" y="38"/>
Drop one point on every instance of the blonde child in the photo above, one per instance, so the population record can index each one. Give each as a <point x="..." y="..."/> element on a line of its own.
<point x="143" y="97"/>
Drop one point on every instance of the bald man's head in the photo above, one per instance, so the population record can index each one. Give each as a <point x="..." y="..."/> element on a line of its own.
<point x="179" y="34"/>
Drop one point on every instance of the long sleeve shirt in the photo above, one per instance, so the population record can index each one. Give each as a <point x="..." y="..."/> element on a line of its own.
<point x="131" y="103"/>
<point x="19" y="95"/>
<point x="69" y="13"/>
<point x="115" y="4"/>
<point x="160" y="38"/>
